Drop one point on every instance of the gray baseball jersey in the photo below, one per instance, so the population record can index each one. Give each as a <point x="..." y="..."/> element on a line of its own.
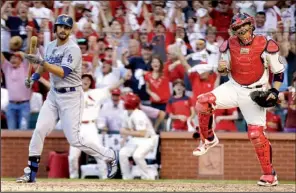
<point x="68" y="55"/>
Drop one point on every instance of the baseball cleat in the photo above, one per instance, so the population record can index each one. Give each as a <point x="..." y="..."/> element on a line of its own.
<point x="26" y="177"/>
<point x="205" y="146"/>
<point x="112" y="166"/>
<point x="268" y="180"/>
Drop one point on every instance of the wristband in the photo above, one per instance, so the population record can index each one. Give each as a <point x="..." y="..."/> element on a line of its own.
<point x="35" y="76"/>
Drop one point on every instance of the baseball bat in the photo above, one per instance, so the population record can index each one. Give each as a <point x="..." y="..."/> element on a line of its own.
<point x="32" y="50"/>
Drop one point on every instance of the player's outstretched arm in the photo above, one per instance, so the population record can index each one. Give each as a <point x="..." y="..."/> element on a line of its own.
<point x="57" y="70"/>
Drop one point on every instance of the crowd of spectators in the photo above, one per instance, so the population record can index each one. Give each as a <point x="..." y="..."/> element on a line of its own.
<point x="147" y="38"/>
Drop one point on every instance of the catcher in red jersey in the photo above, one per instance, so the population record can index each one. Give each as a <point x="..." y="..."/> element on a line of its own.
<point x="246" y="59"/>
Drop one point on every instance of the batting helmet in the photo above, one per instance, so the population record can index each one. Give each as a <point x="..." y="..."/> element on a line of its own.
<point x="63" y="20"/>
<point x="131" y="101"/>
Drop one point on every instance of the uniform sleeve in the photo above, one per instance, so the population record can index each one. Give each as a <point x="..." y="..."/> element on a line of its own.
<point x="72" y="58"/>
<point x="151" y="112"/>
<point x="5" y="65"/>
<point x="275" y="62"/>
<point x="100" y="94"/>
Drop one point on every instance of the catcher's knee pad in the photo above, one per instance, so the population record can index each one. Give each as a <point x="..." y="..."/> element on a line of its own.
<point x="204" y="103"/>
<point x="262" y="147"/>
<point x="204" y="110"/>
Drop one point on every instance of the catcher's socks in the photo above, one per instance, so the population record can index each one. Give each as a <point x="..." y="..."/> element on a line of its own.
<point x="30" y="171"/>
<point x="268" y="180"/>
<point x="205" y="146"/>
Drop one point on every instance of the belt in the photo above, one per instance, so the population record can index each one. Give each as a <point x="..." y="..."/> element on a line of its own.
<point x="64" y="90"/>
<point x="86" y="122"/>
<point x="19" y="102"/>
<point x="257" y="86"/>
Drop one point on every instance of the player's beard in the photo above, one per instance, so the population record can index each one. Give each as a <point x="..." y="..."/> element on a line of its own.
<point x="63" y="37"/>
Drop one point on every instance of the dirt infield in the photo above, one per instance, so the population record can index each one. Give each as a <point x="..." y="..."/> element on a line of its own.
<point x="141" y="186"/>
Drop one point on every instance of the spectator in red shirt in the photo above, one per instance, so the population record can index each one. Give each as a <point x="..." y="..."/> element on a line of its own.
<point x="157" y="84"/>
<point x="173" y="68"/>
<point x="179" y="107"/>
<point x="224" y="119"/>
<point x="273" y="121"/>
<point x="221" y="16"/>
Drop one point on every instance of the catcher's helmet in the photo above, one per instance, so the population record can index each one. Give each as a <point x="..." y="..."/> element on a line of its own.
<point x="131" y="101"/>
<point x="240" y="19"/>
<point x="246" y="34"/>
<point x="63" y="20"/>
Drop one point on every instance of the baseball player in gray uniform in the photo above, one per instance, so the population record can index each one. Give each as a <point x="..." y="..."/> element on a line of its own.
<point x="65" y="100"/>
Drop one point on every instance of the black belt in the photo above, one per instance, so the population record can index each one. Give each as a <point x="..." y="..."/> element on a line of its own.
<point x="64" y="90"/>
<point x="257" y="86"/>
<point x="19" y="102"/>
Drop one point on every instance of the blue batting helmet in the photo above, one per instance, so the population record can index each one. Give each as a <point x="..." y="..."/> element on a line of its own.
<point x="63" y="20"/>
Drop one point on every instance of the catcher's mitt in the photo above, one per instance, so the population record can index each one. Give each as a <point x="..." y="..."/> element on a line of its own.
<point x="260" y="97"/>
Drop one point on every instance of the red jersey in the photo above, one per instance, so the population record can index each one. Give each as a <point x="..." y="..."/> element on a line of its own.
<point x="159" y="86"/>
<point x="200" y="86"/>
<point x="222" y="22"/>
<point x="273" y="122"/>
<point x="225" y="125"/>
<point x="177" y="73"/>
<point x="179" y="106"/>
<point x="87" y="57"/>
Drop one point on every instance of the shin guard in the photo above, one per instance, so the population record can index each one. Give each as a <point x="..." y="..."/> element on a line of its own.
<point x="204" y="112"/>
<point x="262" y="147"/>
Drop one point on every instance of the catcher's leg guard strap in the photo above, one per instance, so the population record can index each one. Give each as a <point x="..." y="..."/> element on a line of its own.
<point x="262" y="147"/>
<point x="204" y="110"/>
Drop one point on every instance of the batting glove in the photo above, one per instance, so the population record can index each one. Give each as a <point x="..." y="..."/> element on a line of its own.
<point x="34" y="59"/>
<point x="30" y="81"/>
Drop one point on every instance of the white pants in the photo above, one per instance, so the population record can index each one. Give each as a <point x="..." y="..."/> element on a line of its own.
<point x="68" y="107"/>
<point x="230" y="95"/>
<point x="90" y="132"/>
<point x="138" y="148"/>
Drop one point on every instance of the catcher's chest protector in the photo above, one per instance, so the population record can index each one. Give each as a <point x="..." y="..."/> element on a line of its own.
<point x="247" y="66"/>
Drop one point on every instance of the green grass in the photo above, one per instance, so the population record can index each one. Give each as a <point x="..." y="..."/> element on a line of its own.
<point x="156" y="181"/>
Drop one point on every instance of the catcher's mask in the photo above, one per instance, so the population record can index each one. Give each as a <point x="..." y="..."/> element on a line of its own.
<point x="242" y="25"/>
